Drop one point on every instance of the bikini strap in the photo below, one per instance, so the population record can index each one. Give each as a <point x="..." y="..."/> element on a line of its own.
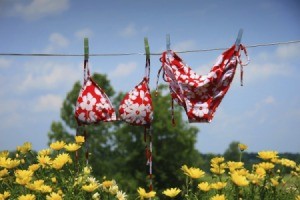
<point x="147" y="70"/>
<point x="86" y="71"/>
<point x="242" y="64"/>
<point x="162" y="60"/>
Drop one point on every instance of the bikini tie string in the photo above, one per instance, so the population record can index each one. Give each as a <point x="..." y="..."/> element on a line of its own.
<point x="241" y="63"/>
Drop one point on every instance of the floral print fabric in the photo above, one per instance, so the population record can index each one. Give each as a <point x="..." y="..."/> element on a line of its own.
<point x="93" y="105"/>
<point x="199" y="95"/>
<point x="136" y="107"/>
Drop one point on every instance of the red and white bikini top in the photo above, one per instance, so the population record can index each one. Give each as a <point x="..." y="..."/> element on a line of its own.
<point x="94" y="106"/>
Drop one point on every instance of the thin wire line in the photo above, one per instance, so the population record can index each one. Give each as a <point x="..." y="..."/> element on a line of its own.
<point x="155" y="54"/>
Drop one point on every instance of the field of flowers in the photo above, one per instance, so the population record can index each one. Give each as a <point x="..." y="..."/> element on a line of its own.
<point x="57" y="173"/>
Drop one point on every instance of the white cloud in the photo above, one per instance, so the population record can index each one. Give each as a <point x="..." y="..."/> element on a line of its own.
<point x="49" y="102"/>
<point x="5" y="63"/>
<point x="269" y="100"/>
<point x="129" y="31"/>
<point x="57" y="41"/>
<point x="279" y="63"/>
<point x="48" y="75"/>
<point x="37" y="9"/>
<point x="86" y="32"/>
<point x="124" y="69"/>
<point x="288" y="51"/>
<point x="185" y="45"/>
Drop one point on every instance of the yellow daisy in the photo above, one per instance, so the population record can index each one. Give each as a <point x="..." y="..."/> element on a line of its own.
<point x="172" y="192"/>
<point x="192" y="172"/>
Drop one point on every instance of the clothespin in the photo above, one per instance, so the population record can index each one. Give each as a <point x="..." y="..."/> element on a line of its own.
<point x="147" y="49"/>
<point x="86" y="49"/>
<point x="238" y="40"/>
<point x="168" y="43"/>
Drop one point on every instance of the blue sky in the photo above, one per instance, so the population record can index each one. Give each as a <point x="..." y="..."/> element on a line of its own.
<point x="264" y="113"/>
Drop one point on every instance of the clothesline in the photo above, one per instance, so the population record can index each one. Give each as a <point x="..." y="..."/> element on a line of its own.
<point x="155" y="54"/>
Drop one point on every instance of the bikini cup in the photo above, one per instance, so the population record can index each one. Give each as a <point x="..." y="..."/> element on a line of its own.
<point x="94" y="106"/>
<point x="200" y="95"/>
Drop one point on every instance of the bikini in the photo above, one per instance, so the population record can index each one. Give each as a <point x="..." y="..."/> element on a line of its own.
<point x="94" y="106"/>
<point x="200" y="95"/>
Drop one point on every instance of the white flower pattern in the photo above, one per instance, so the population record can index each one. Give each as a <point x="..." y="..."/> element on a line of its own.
<point x="88" y="102"/>
<point x="200" y="109"/>
<point x="200" y="94"/>
<point x="136" y="107"/>
<point x="93" y="105"/>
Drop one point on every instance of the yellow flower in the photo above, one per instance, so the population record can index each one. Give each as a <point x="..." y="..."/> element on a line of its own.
<point x="274" y="182"/>
<point x="45" y="189"/>
<point x="54" y="196"/>
<point x="242" y="172"/>
<point x="260" y="171"/>
<point x="218" y="197"/>
<point x="23" y="177"/>
<point x="61" y="160"/>
<point x="297" y="197"/>
<point x="288" y="163"/>
<point x="267" y="155"/>
<point x="44" y="160"/>
<point x="36" y="185"/>
<point x="58" y="145"/>
<point x="53" y="179"/>
<point x="234" y="165"/>
<point x="121" y="195"/>
<point x="204" y="186"/>
<point x="87" y="170"/>
<point x="72" y="147"/>
<point x="9" y="163"/>
<point x="3" y="172"/>
<point x="192" y="172"/>
<point x="239" y="180"/>
<point x="27" y="197"/>
<point x="172" y="192"/>
<point x="218" y="185"/>
<point x="254" y="178"/>
<point x="33" y="167"/>
<point x="24" y="148"/>
<point x="79" y="139"/>
<point x="243" y="147"/>
<point x="113" y="189"/>
<point x="4" y="154"/>
<point x="90" y="187"/>
<point x="96" y="196"/>
<point x="266" y="165"/>
<point x="5" y="195"/>
<point x="44" y="152"/>
<point x="217" y="165"/>
<point x="217" y="160"/>
<point x="143" y="194"/>
<point x="107" y="184"/>
<point x="218" y="168"/>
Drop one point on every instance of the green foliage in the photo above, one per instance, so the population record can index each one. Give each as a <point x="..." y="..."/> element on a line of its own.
<point x="232" y="152"/>
<point x="118" y="149"/>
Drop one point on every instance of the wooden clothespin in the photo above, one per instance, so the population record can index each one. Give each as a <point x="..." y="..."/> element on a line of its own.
<point x="86" y="49"/>
<point x="168" y="44"/>
<point x="238" y="40"/>
<point x="147" y="49"/>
